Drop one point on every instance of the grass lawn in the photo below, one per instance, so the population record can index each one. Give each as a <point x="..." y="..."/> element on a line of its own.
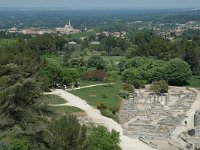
<point x="194" y="81"/>
<point x="53" y="99"/>
<point x="101" y="94"/>
<point x="66" y="109"/>
<point x="86" y="83"/>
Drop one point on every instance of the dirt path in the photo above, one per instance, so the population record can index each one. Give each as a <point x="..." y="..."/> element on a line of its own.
<point x="126" y="142"/>
<point x="89" y="86"/>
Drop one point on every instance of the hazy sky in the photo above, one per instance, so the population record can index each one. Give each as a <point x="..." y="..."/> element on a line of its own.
<point x="102" y="4"/>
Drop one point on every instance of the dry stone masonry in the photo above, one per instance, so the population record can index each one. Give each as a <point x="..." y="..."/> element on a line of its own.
<point x="154" y="117"/>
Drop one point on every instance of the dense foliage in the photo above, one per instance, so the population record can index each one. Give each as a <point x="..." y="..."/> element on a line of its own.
<point x="27" y="123"/>
<point x="30" y="65"/>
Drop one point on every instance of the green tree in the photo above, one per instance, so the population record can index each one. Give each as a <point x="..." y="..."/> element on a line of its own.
<point x="177" y="71"/>
<point x="67" y="134"/>
<point x="22" y="113"/>
<point x="14" y="143"/>
<point x="192" y="57"/>
<point x="131" y="51"/>
<point x="70" y="75"/>
<point x="101" y="139"/>
<point x="97" y="62"/>
<point x="51" y="71"/>
<point x="133" y="76"/>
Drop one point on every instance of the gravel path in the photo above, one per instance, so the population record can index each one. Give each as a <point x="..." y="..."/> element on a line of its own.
<point x="126" y="142"/>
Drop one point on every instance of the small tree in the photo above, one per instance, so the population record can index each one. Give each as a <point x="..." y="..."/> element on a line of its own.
<point x="66" y="133"/>
<point x="70" y="75"/>
<point x="128" y="87"/>
<point x="124" y="94"/>
<point x="159" y="86"/>
<point x="131" y="51"/>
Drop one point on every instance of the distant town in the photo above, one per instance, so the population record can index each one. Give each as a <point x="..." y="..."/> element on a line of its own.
<point x="67" y="29"/>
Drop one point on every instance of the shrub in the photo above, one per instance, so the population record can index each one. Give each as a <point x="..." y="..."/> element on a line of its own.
<point x="124" y="94"/>
<point x="114" y="109"/>
<point x="101" y="106"/>
<point x="159" y="86"/>
<point x="109" y="114"/>
<point x="128" y="87"/>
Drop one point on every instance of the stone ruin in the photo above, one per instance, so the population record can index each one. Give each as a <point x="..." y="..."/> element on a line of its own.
<point x="151" y="116"/>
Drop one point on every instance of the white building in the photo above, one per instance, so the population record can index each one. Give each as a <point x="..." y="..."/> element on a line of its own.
<point x="68" y="29"/>
<point x="12" y="30"/>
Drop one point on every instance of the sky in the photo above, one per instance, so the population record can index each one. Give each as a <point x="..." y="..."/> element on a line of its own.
<point x="102" y="4"/>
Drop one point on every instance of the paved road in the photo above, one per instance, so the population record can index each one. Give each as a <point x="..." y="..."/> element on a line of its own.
<point x="126" y="142"/>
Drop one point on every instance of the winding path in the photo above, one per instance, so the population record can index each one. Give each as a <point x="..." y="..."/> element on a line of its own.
<point x="126" y="142"/>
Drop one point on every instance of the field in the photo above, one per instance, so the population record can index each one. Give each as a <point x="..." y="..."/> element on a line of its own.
<point x="194" y="81"/>
<point x="55" y="100"/>
<point x="66" y="109"/>
<point x="101" y="94"/>
<point x="106" y="95"/>
<point x="52" y="99"/>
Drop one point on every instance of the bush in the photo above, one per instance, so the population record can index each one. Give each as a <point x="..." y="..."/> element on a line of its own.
<point x="159" y="86"/>
<point x="124" y="94"/>
<point x="128" y="87"/>
<point x="94" y="75"/>
<point x="108" y="113"/>
<point x="101" y="106"/>
<point x="114" y="109"/>
<point x="156" y="74"/>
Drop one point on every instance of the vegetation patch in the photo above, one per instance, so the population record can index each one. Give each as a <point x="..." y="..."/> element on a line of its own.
<point x="52" y="99"/>
<point x="105" y="98"/>
<point x="66" y="109"/>
<point x="194" y="81"/>
<point x="111" y="99"/>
